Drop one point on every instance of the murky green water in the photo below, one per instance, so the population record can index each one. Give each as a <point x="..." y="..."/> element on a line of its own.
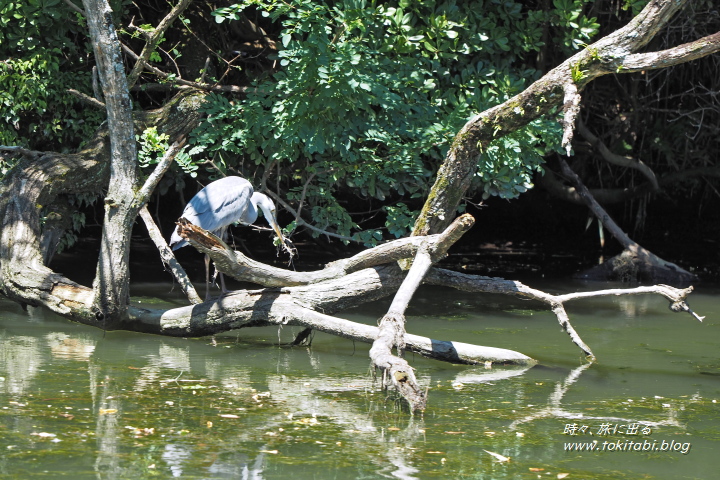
<point x="77" y="402"/>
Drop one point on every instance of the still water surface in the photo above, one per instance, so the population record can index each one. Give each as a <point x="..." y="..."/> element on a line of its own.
<point x="81" y="403"/>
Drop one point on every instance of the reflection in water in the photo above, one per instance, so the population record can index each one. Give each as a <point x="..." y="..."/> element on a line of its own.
<point x="487" y="375"/>
<point x="20" y="361"/>
<point x="187" y="409"/>
<point x="107" y="430"/>
<point x="554" y="408"/>
<point x="63" y="346"/>
<point x="175" y="456"/>
<point x="238" y="466"/>
<point x="167" y="357"/>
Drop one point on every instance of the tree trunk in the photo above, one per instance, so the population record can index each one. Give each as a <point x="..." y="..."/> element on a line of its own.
<point x="35" y="185"/>
<point x="112" y="279"/>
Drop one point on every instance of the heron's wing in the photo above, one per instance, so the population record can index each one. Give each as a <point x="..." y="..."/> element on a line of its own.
<point x="219" y="204"/>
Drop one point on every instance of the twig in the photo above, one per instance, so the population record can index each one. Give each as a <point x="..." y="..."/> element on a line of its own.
<point x="86" y="98"/>
<point x="154" y="39"/>
<point x="160" y="169"/>
<point x="615" y="159"/>
<point x="474" y="283"/>
<point x="303" y="223"/>
<point x="179" y="81"/>
<point x="74" y="7"/>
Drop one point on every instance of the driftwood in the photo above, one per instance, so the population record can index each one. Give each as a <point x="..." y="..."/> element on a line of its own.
<point x="306" y="299"/>
<point x="296" y="297"/>
<point x="635" y="263"/>
<point x="392" y="325"/>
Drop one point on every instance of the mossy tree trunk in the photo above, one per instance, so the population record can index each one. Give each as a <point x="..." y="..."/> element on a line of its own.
<point x="558" y="90"/>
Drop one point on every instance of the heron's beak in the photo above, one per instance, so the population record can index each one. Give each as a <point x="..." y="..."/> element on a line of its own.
<point x="273" y="223"/>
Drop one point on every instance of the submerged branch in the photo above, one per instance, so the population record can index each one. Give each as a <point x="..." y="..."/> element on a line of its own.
<point x="474" y="283"/>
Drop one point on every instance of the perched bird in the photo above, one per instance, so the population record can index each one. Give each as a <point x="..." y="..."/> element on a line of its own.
<point x="221" y="203"/>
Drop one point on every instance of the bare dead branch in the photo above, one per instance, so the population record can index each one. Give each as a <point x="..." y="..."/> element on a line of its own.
<point x="168" y="258"/>
<point x="179" y="81"/>
<point x="571" y="108"/>
<point x="86" y="98"/>
<point x="642" y="262"/>
<point x="474" y="283"/>
<point x="595" y="207"/>
<point x="673" y="56"/>
<point x="392" y="326"/>
<point x="553" y="90"/>
<point x="153" y="39"/>
<point x="162" y="166"/>
<point x="302" y="223"/>
<point x="619" y="160"/>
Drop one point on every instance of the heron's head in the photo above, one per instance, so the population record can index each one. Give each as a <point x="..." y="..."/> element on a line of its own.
<point x="268" y="208"/>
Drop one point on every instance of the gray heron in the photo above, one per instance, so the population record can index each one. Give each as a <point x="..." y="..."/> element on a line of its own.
<point x="221" y="203"/>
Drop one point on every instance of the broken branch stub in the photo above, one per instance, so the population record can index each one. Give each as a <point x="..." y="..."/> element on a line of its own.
<point x="199" y="237"/>
<point x="392" y="325"/>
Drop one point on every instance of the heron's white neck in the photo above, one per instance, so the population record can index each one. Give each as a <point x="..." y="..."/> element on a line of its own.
<point x="266" y="205"/>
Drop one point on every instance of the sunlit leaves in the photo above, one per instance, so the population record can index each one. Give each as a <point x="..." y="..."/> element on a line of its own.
<point x="369" y="95"/>
<point x="40" y="60"/>
<point x="506" y="167"/>
<point x="399" y="219"/>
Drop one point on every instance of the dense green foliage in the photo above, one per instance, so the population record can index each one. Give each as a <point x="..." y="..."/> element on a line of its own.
<point x="42" y="55"/>
<point x="353" y="104"/>
<point x="369" y="95"/>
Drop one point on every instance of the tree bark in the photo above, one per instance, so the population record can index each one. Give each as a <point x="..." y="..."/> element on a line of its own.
<point x="38" y="183"/>
<point x="392" y="325"/>
<point x="112" y="279"/>
<point x="168" y="258"/>
<point x="635" y="263"/>
<point x="558" y="89"/>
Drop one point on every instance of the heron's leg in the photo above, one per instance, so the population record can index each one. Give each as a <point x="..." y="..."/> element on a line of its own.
<point x="207" y="277"/>
<point x="223" y="235"/>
